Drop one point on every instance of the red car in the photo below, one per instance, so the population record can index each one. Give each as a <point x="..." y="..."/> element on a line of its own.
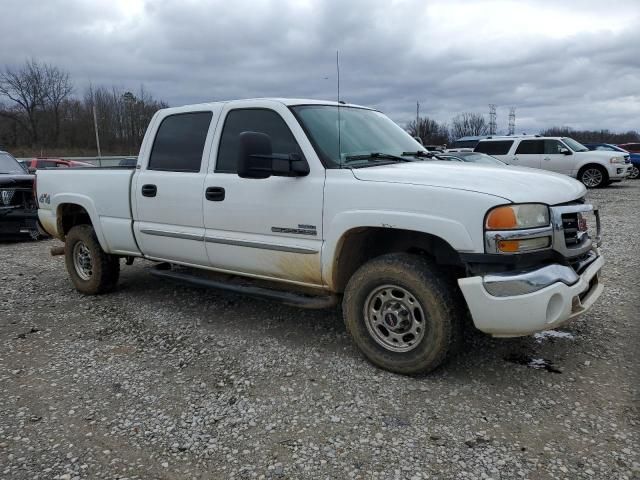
<point x="631" y="147"/>
<point x="38" y="163"/>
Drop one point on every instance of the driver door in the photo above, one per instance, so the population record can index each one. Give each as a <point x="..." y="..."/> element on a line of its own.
<point x="555" y="159"/>
<point x="270" y="227"/>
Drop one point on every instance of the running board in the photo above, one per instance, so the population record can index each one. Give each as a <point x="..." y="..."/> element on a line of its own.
<point x="287" y="298"/>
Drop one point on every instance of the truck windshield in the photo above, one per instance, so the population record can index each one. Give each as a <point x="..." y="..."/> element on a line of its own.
<point x="8" y="164"/>
<point x="366" y="137"/>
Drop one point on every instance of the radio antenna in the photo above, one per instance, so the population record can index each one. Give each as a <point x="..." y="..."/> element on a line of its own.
<point x="339" y="123"/>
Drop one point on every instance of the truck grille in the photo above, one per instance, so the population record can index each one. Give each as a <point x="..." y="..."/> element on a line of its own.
<point x="576" y="229"/>
<point x="16" y="197"/>
<point x="570" y="228"/>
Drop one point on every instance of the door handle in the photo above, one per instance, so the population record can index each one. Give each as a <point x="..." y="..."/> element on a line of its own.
<point x="214" y="194"/>
<point x="515" y="159"/>
<point x="149" y="190"/>
<point x="547" y="158"/>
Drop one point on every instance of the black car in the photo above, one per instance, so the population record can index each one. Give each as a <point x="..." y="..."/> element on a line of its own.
<point x="18" y="210"/>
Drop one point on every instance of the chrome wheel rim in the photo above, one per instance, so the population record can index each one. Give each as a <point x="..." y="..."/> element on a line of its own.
<point x="394" y="318"/>
<point x="592" y="177"/>
<point x="82" y="261"/>
<point x="635" y="172"/>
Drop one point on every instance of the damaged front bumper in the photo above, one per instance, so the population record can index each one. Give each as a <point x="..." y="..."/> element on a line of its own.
<point x="521" y="303"/>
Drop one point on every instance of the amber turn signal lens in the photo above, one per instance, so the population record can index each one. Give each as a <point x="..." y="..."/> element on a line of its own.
<point x="509" y="246"/>
<point x="502" y="218"/>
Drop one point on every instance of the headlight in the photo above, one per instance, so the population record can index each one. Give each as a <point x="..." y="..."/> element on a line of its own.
<point x="616" y="160"/>
<point x="516" y="217"/>
<point x="518" y="228"/>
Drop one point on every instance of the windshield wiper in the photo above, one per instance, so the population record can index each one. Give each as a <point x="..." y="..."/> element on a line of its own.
<point x="375" y="156"/>
<point x="419" y="154"/>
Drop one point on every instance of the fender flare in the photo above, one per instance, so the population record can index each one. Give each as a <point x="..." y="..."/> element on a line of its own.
<point x="88" y="205"/>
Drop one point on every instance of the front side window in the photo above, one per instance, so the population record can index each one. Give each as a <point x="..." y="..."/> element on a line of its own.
<point x="341" y="132"/>
<point x="179" y="142"/>
<point x="253" y="120"/>
<point x="494" y="148"/>
<point x="530" y="147"/>
<point x="553" y="147"/>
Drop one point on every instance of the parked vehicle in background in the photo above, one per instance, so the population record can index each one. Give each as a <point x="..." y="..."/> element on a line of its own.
<point x="262" y="189"/>
<point x="128" y="162"/>
<point x="465" y="144"/>
<point x="634" y="157"/>
<point x="630" y="147"/>
<point x="18" y="211"/>
<point x="39" y="163"/>
<point x="559" y="154"/>
<point x="471" y="157"/>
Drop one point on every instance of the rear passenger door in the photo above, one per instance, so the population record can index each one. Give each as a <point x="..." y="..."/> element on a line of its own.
<point x="529" y="153"/>
<point x="169" y="189"/>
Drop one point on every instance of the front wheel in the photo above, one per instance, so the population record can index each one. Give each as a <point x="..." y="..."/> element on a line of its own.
<point x="593" y="176"/>
<point x="92" y="270"/>
<point x="635" y="172"/>
<point x="403" y="314"/>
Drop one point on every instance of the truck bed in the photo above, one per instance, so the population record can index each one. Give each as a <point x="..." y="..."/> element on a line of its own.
<point x="104" y="192"/>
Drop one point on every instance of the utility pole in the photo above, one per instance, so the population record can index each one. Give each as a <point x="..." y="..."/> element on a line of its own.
<point x="95" y="125"/>
<point x="492" y="119"/>
<point x="417" y="113"/>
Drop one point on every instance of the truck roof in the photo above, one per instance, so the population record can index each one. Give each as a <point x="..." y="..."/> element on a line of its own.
<point x="285" y="101"/>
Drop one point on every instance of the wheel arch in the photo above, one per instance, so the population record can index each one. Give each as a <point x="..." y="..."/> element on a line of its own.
<point x="77" y="211"/>
<point x="358" y="245"/>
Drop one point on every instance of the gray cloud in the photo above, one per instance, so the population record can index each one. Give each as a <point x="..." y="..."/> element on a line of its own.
<point x="571" y="63"/>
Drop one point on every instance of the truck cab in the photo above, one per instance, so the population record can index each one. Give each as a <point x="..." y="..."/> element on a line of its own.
<point x="315" y="203"/>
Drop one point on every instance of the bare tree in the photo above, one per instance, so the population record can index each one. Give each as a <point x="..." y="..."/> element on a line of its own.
<point x="25" y="87"/>
<point x="468" y="124"/>
<point x="57" y="88"/>
<point x="592" y="136"/>
<point x="429" y="131"/>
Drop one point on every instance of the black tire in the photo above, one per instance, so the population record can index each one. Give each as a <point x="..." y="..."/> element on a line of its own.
<point x="588" y="175"/>
<point x="101" y="274"/>
<point x="434" y="294"/>
<point x="635" y="172"/>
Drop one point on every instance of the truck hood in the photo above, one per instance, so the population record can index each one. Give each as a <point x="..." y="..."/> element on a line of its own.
<point x="516" y="184"/>
<point x="16" y="180"/>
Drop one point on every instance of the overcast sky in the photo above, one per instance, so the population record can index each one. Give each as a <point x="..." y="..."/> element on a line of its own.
<point x="569" y="62"/>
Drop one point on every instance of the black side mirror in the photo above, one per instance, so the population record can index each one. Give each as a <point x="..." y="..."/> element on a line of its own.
<point x="257" y="160"/>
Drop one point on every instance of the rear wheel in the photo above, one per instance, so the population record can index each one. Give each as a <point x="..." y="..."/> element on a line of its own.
<point x="403" y="314"/>
<point x="91" y="269"/>
<point x="593" y="176"/>
<point x="635" y="172"/>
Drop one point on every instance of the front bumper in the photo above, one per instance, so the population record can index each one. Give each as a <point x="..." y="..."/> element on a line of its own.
<point x="522" y="303"/>
<point x="619" y="171"/>
<point x="14" y="221"/>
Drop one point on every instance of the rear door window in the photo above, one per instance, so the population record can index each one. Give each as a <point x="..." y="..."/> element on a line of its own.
<point x="530" y="147"/>
<point x="494" y="147"/>
<point x="179" y="142"/>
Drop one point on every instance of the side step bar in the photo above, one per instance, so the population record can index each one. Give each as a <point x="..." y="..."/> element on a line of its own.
<point x="288" y="298"/>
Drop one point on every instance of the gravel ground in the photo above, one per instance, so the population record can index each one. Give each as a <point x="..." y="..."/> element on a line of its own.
<point x="159" y="380"/>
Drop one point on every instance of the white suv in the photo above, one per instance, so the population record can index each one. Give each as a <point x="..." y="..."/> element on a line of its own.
<point x="559" y="154"/>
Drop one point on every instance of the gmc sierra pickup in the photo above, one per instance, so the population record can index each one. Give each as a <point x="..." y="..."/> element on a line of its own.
<point x="315" y="203"/>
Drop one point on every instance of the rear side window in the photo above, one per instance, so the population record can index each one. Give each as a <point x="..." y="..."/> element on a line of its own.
<point x="494" y="148"/>
<point x="253" y="120"/>
<point x="179" y="142"/>
<point x="530" y="147"/>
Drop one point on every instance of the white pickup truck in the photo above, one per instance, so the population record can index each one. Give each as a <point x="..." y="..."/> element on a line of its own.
<point x="315" y="203"/>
